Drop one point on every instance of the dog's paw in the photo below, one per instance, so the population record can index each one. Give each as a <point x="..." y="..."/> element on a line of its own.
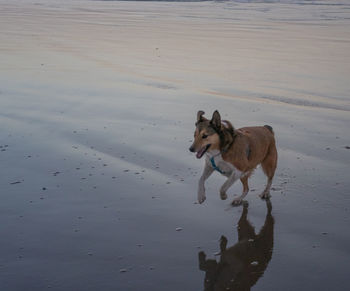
<point x="236" y="202"/>
<point x="223" y="195"/>
<point x="201" y="199"/>
<point x="265" y="195"/>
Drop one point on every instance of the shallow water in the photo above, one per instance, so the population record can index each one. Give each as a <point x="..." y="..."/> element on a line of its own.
<point x="98" y="103"/>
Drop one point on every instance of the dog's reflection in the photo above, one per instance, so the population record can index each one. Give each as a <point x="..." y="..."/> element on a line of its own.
<point x="241" y="265"/>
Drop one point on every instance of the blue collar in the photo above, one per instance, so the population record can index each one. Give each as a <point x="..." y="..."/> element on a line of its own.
<point x="215" y="167"/>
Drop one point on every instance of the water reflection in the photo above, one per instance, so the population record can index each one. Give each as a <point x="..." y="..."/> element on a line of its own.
<point x="241" y="265"/>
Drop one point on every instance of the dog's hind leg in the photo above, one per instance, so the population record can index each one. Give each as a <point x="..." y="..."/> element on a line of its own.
<point x="208" y="170"/>
<point x="266" y="193"/>
<point x="244" y="180"/>
<point x="269" y="165"/>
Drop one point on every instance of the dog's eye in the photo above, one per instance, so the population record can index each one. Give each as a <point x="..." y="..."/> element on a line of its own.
<point x="204" y="136"/>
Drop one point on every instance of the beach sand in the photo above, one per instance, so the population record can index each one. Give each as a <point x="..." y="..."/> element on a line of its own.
<point x="98" y="101"/>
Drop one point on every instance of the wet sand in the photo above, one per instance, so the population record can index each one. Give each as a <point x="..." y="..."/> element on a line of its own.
<point x="98" y="103"/>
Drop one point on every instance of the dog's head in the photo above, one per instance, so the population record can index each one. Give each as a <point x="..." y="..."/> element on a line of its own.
<point x="206" y="135"/>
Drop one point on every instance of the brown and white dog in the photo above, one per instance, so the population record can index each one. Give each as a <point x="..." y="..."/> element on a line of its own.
<point x="233" y="153"/>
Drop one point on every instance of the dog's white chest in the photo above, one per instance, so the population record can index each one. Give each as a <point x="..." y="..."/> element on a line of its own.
<point x="220" y="165"/>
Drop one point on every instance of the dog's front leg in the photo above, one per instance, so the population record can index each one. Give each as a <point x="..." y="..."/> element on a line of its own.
<point x="229" y="182"/>
<point x="208" y="170"/>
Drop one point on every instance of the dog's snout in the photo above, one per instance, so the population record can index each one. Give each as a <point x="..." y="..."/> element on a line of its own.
<point x="191" y="149"/>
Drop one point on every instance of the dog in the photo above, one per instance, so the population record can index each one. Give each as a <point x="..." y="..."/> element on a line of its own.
<point x="233" y="153"/>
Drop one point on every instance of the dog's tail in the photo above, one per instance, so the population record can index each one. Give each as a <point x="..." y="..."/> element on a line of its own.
<point x="269" y="128"/>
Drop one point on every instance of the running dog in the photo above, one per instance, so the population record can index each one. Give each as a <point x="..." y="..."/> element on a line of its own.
<point x="233" y="153"/>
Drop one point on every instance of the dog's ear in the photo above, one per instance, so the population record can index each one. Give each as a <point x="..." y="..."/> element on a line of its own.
<point x="200" y="117"/>
<point x="216" y="120"/>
